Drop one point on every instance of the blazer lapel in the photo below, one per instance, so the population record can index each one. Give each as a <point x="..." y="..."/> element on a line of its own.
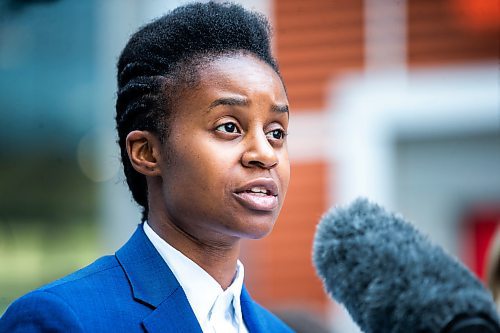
<point x="170" y="316"/>
<point x="250" y="312"/>
<point x="154" y="284"/>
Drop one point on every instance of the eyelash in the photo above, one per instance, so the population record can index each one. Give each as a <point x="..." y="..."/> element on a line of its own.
<point x="278" y="131"/>
<point x="226" y="130"/>
<point x="232" y="128"/>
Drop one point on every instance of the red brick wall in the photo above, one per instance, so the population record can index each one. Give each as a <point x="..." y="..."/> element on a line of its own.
<point x="315" y="41"/>
<point x="442" y="32"/>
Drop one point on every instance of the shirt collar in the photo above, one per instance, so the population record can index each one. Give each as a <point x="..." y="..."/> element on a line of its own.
<point x="201" y="289"/>
<point x="235" y="289"/>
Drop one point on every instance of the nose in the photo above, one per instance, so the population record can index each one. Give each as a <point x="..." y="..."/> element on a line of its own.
<point x="259" y="152"/>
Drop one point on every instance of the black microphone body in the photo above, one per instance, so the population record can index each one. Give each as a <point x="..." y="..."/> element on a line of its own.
<point x="391" y="278"/>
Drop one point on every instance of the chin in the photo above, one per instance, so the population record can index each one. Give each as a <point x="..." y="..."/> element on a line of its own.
<point x="258" y="229"/>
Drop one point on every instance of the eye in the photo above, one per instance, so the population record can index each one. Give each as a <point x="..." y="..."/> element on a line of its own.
<point x="277" y="134"/>
<point x="228" y="128"/>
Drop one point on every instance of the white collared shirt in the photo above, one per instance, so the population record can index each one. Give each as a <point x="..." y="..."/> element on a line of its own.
<point x="217" y="310"/>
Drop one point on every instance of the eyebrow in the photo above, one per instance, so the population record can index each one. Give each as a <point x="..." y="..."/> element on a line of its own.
<point x="237" y="101"/>
<point x="280" y="108"/>
<point x="241" y="101"/>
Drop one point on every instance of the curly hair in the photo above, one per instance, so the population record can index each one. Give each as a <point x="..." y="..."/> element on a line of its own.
<point x="163" y="55"/>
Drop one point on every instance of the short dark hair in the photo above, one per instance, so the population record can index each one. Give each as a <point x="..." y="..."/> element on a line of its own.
<point x="167" y="50"/>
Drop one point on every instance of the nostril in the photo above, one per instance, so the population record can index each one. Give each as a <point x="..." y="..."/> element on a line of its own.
<point x="256" y="163"/>
<point x="264" y="165"/>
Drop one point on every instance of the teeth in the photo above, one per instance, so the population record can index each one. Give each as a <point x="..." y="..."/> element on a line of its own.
<point x="258" y="190"/>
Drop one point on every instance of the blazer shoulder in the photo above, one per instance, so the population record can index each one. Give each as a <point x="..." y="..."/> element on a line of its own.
<point x="40" y="311"/>
<point x="93" y="270"/>
<point x="73" y="303"/>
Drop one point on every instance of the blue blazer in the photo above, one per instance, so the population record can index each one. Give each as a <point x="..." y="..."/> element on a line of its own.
<point x="132" y="291"/>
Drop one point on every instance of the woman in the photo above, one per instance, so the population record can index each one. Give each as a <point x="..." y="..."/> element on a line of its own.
<point x="202" y="115"/>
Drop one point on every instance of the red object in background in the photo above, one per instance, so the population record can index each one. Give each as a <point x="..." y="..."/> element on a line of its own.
<point x="480" y="226"/>
<point x="478" y="15"/>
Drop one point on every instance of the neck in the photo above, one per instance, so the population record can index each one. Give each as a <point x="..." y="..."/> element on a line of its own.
<point x="218" y="258"/>
<point x="214" y="251"/>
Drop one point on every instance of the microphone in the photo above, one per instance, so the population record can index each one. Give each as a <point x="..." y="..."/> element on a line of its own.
<point x="391" y="278"/>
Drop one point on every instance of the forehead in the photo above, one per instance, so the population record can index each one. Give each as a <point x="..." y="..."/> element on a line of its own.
<point x="237" y="73"/>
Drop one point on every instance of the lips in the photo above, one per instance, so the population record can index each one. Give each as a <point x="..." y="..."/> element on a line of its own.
<point x="259" y="195"/>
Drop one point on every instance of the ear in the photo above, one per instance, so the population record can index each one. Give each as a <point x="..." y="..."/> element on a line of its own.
<point x="143" y="150"/>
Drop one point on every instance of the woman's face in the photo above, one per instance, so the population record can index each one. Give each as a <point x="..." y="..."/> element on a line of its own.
<point x="224" y="166"/>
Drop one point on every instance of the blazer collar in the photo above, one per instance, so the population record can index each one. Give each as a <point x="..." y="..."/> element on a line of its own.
<point x="154" y="284"/>
<point x="252" y="316"/>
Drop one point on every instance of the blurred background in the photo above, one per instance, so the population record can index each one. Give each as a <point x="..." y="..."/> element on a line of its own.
<point x="396" y="100"/>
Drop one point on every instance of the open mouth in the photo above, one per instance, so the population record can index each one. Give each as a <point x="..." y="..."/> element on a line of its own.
<point x="259" y="191"/>
<point x="259" y="195"/>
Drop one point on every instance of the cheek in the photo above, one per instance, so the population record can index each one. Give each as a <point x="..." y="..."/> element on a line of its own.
<point x="201" y="166"/>
<point x="188" y="188"/>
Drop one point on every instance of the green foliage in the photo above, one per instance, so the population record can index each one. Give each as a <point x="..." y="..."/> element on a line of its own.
<point x="32" y="254"/>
